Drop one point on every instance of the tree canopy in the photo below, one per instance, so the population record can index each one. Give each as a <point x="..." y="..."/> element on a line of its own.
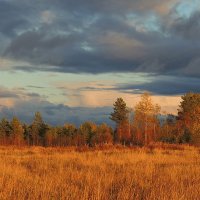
<point x="146" y="126"/>
<point x="120" y="113"/>
<point x="189" y="115"/>
<point x="145" y="118"/>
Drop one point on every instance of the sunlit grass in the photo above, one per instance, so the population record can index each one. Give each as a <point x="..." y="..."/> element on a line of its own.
<point x="53" y="173"/>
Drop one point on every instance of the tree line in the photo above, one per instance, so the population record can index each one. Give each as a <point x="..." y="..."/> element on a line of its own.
<point x="141" y="126"/>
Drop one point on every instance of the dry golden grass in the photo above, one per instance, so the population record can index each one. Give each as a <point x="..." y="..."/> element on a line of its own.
<point x="52" y="173"/>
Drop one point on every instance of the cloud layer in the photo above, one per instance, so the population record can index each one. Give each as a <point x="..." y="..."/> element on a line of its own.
<point x="102" y="36"/>
<point x="24" y="105"/>
<point x="159" y="39"/>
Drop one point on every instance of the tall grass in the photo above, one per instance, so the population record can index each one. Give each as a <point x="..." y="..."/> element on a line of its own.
<point x="50" y="173"/>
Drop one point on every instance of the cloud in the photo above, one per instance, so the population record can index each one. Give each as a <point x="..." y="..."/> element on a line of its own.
<point x="157" y="85"/>
<point x="12" y="18"/>
<point x="59" y="114"/>
<point x="100" y="36"/>
<point x="97" y="94"/>
<point x="8" y="97"/>
<point x="188" y="28"/>
<point x="4" y="93"/>
<point x="164" y="85"/>
<point x="23" y="104"/>
<point x="117" y="6"/>
<point x="55" y="114"/>
<point x="47" y="17"/>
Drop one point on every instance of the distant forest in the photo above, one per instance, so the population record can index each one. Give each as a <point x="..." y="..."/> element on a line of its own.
<point x="145" y="127"/>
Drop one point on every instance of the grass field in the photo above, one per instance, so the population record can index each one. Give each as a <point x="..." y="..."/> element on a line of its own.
<point x="53" y="173"/>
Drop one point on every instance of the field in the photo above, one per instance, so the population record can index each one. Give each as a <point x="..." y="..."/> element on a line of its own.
<point x="117" y="173"/>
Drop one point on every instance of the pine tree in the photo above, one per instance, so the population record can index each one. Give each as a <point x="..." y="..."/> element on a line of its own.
<point x="5" y="131"/>
<point x="120" y="117"/>
<point x="38" y="129"/>
<point x="189" y="115"/>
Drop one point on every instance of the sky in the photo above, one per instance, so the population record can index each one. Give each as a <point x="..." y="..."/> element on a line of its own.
<point x="71" y="59"/>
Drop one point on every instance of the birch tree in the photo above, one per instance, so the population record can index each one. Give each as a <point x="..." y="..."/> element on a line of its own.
<point x="145" y="119"/>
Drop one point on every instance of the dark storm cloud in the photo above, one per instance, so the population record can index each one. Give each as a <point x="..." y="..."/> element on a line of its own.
<point x="25" y="104"/>
<point x="36" y="87"/>
<point x="164" y="86"/>
<point x="56" y="114"/>
<point x="101" y="36"/>
<point x="105" y="6"/>
<point x="15" y="17"/>
<point x="188" y="28"/>
<point x="33" y="95"/>
<point x="161" y="85"/>
<point x="17" y="94"/>
<point x="4" y="93"/>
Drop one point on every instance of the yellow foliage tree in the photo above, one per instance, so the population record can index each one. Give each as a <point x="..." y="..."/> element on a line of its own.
<point x="145" y="119"/>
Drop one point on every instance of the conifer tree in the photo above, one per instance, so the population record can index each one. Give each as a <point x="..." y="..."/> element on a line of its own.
<point x="5" y="131"/>
<point x="120" y="117"/>
<point x="189" y="115"/>
<point x="38" y="129"/>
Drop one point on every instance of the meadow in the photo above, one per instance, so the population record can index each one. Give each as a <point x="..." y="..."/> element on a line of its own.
<point x="112" y="173"/>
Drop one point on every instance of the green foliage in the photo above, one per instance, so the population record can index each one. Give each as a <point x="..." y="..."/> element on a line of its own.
<point x="5" y="131"/>
<point x="88" y="130"/>
<point x="38" y="129"/>
<point x="189" y="115"/>
<point x="69" y="132"/>
<point x="146" y="127"/>
<point x="121" y="118"/>
<point x="120" y="113"/>
<point x="189" y="103"/>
